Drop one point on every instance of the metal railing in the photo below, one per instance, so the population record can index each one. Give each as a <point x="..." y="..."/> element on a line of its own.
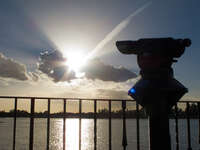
<point x="176" y="114"/>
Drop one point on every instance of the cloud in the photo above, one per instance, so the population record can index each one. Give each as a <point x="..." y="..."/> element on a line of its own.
<point x="112" y="94"/>
<point x="10" y="68"/>
<point x="34" y="76"/>
<point x="87" y="88"/>
<point x="77" y="88"/>
<point x="53" y="65"/>
<point x="95" y="69"/>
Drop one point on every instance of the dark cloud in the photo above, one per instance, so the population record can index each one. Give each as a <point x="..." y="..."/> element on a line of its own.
<point x="53" y="64"/>
<point x="12" y="69"/>
<point x="96" y="69"/>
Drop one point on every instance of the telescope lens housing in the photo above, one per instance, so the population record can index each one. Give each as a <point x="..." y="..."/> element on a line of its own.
<point x="162" y="46"/>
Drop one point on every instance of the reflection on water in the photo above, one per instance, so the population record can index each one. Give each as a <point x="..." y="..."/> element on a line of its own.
<point x="87" y="134"/>
<point x="56" y="130"/>
<point x="72" y="134"/>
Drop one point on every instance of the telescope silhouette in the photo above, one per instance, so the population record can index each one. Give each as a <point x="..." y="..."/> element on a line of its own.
<point x="157" y="90"/>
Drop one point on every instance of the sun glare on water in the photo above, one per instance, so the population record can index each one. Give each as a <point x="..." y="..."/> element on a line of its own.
<point x="75" y="61"/>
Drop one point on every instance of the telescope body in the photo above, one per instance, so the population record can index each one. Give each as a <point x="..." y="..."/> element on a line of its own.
<point x="155" y="57"/>
<point x="157" y="90"/>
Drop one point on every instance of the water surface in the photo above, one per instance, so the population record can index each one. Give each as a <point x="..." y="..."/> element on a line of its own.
<point x="87" y="134"/>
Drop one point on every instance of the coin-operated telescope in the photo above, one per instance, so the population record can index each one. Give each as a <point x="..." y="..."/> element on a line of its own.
<point x="157" y="90"/>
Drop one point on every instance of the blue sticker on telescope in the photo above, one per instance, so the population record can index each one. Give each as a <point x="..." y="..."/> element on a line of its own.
<point x="132" y="91"/>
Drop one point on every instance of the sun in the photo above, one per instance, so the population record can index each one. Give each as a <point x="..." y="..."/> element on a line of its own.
<point x="75" y="61"/>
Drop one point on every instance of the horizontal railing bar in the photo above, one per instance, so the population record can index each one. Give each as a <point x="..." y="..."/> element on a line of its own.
<point x="188" y="101"/>
<point x="61" y="98"/>
<point x="77" y="99"/>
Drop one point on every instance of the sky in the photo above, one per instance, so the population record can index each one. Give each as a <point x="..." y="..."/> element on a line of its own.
<point x="78" y="29"/>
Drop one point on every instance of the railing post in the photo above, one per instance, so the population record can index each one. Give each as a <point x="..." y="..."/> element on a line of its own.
<point x="64" y="123"/>
<point x="124" y="140"/>
<point x="176" y="121"/>
<point x="110" y="124"/>
<point x="48" y="122"/>
<point x="199" y="119"/>
<point x="14" y="126"/>
<point x="138" y="126"/>
<point x="95" y="124"/>
<point x="31" y="135"/>
<point x="188" y="126"/>
<point x="80" y="111"/>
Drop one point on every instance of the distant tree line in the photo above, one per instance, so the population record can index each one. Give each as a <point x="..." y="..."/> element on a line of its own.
<point x="192" y="112"/>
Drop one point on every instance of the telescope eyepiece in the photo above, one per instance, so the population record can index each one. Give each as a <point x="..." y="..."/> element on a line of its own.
<point x="186" y="42"/>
